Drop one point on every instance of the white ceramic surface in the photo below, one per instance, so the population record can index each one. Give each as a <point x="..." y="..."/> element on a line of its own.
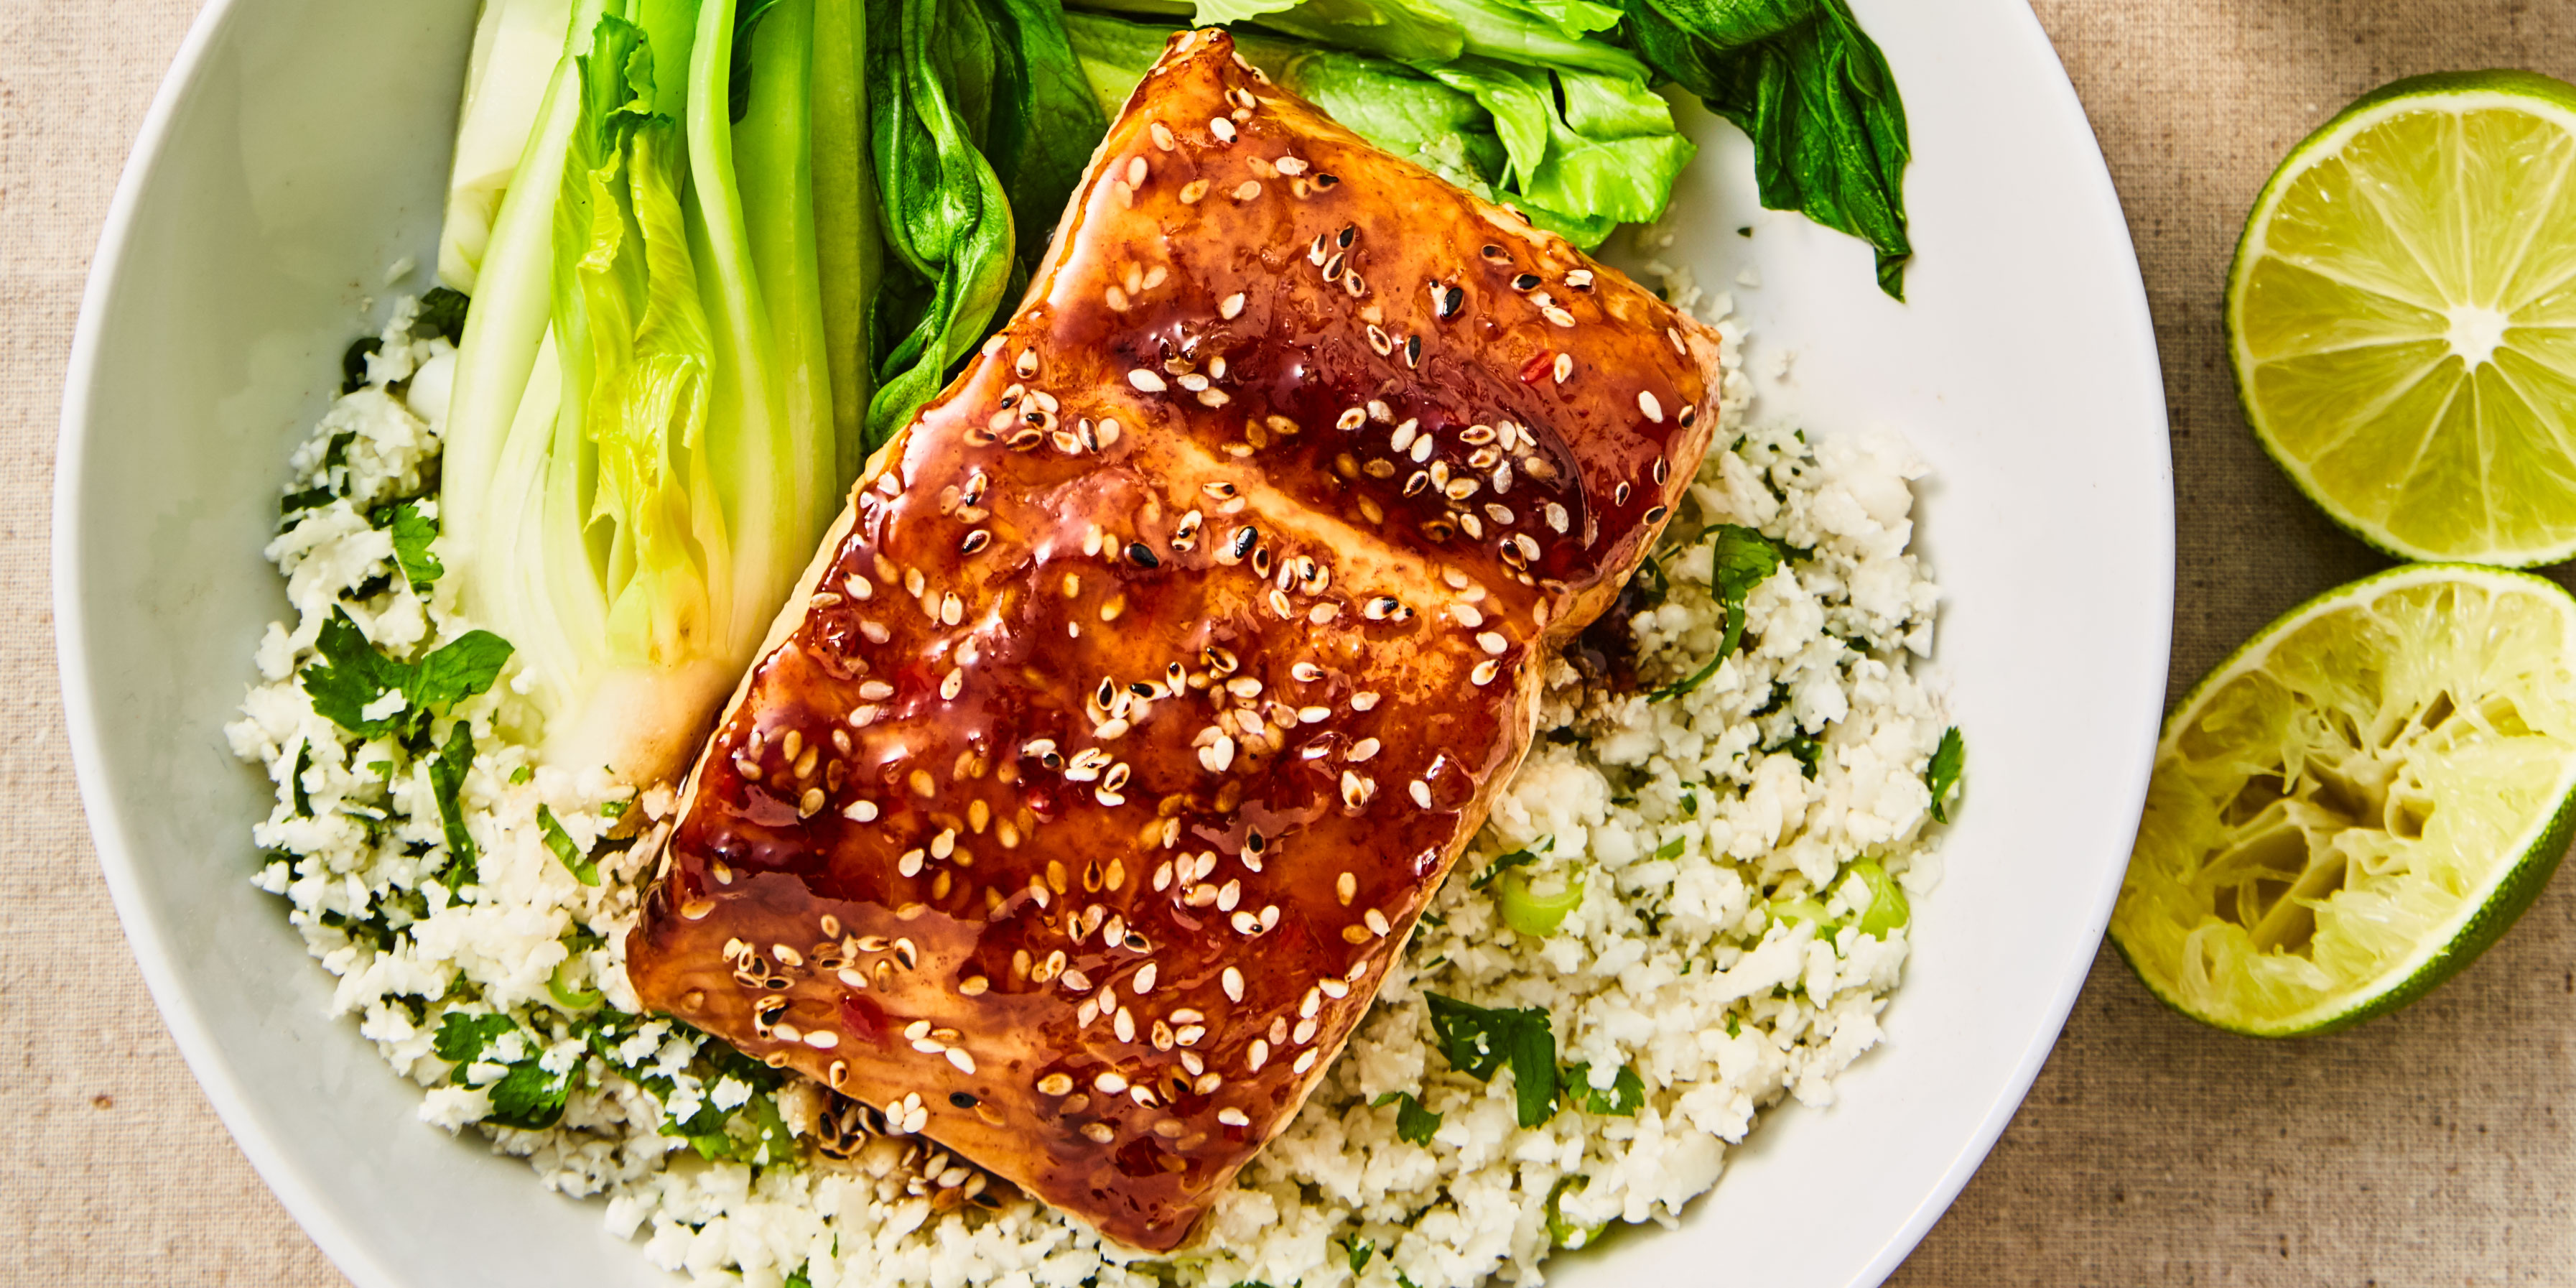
<point x="298" y="148"/>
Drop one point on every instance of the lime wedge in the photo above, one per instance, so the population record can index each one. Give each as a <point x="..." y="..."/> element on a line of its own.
<point x="2402" y="318"/>
<point x="2358" y="802"/>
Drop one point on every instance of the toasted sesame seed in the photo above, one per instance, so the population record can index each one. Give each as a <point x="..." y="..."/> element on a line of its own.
<point x="1655" y="514"/>
<point x="1304" y="1032"/>
<point x="1247" y="190"/>
<point x="1099" y="1133"/>
<point x="1222" y="128"/>
<point x="1647" y="404"/>
<point x="1146" y="381"/>
<point x="1376" y="922"/>
<point x="1485" y="672"/>
<point x="1564" y="367"/>
<point x="1109" y="1083"/>
<point x="1124" y="1025"/>
<point x="1526" y="283"/>
<point x="1255" y="1056"/>
<point x="1420" y="791"/>
<point x="1580" y="279"/>
<point x="1054" y="1084"/>
<point x="1230" y="307"/>
<point x="952" y="684"/>
<point x="1492" y="642"/>
<point x="1233" y="1117"/>
<point x="1363" y="700"/>
<point x="1232" y="982"/>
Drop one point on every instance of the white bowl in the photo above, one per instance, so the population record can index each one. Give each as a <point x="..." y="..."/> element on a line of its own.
<point x="298" y="148"/>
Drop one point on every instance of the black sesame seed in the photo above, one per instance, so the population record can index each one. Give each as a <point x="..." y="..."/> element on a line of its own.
<point x="1655" y="515"/>
<point x="1496" y="254"/>
<point x="1413" y="350"/>
<point x="1447" y="301"/>
<point x="1349" y="233"/>
<point x="1243" y="539"/>
<point x="1141" y="689"/>
<point x="962" y="1100"/>
<point x="1526" y="282"/>
<point x="1142" y="557"/>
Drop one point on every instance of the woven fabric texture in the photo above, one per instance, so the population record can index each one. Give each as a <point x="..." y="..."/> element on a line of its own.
<point x="2419" y="1150"/>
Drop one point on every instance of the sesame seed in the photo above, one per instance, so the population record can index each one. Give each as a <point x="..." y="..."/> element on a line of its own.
<point x="1054" y="1084"/>
<point x="1304" y="1032"/>
<point x="1099" y="1133"/>
<point x="1376" y="922"/>
<point x="1420" y="791"/>
<point x="1192" y="191"/>
<point x="1655" y="514"/>
<point x="974" y="986"/>
<point x="1233" y="1117"/>
<point x="1249" y="189"/>
<point x="1230" y="306"/>
<point x="1564" y="367"/>
<point x="1526" y="283"/>
<point x="1143" y="981"/>
<point x="1362" y="750"/>
<point x="1232" y="982"/>
<point x="1557" y="315"/>
<point x="1485" y="672"/>
<point x="1109" y="1083"/>
<point x="1255" y="1056"/>
<point x="1363" y="700"/>
<point x="1222" y="128"/>
<point x="1146" y="381"/>
<point x="952" y="685"/>
<point x="1246" y="924"/>
<point x="1447" y="300"/>
<point x="1351" y="419"/>
<point x="1492" y="642"/>
<point x="1647" y="404"/>
<point x="1124" y="1025"/>
<point x="1580" y="279"/>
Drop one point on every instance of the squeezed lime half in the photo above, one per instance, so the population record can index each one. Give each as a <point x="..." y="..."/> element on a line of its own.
<point x="2358" y="803"/>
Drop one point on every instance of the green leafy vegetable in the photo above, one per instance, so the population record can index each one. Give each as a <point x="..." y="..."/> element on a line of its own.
<point x="352" y="675"/>
<point x="1815" y="95"/>
<point x="303" y="798"/>
<point x="412" y="532"/>
<point x="528" y="1097"/>
<point x="1514" y="859"/>
<point x="1742" y="560"/>
<point x="641" y="443"/>
<point x="442" y="314"/>
<point x="981" y="122"/>
<point x="1942" y="775"/>
<point x="560" y="843"/>
<point x="353" y="366"/>
<point x="462" y="1038"/>
<point x="1500" y="100"/>
<point x="1413" y="1123"/>
<point x="1625" y="1096"/>
<point x="447" y="786"/>
<point x="1478" y="1040"/>
<point x="1359" y="1250"/>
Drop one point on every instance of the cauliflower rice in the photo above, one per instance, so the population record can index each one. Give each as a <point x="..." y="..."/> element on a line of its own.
<point x="1716" y="961"/>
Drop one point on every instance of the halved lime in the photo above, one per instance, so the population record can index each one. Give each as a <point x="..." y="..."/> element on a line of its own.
<point x="2357" y="803"/>
<point x="2402" y="318"/>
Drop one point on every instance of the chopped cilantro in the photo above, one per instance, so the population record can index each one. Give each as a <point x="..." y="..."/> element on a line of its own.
<point x="446" y="782"/>
<point x="565" y="852"/>
<point x="442" y="313"/>
<point x="353" y="362"/>
<point x="1626" y="1095"/>
<point x="1359" y="1251"/>
<point x="797" y="1280"/>
<point x="528" y="1097"/>
<point x="1942" y="776"/>
<point x="303" y="799"/>
<point x="1743" y="560"/>
<point x="614" y="809"/>
<point x="1413" y="1123"/>
<point x="311" y="498"/>
<point x="1517" y="858"/>
<point x="462" y="1038"/>
<point x="1671" y="849"/>
<point x="1734" y="1027"/>
<point x="1478" y="1040"/>
<point x="1807" y="749"/>
<point x="412" y="533"/>
<point x="353" y="673"/>
<point x="521" y="774"/>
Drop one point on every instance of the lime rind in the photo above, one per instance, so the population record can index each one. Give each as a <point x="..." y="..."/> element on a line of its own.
<point x="2358" y="802"/>
<point x="2367" y="272"/>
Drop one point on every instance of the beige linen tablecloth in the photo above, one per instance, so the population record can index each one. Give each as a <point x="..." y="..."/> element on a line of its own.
<point x="2420" y="1150"/>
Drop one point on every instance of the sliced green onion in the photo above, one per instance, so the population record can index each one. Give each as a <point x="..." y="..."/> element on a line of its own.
<point x="1535" y="915"/>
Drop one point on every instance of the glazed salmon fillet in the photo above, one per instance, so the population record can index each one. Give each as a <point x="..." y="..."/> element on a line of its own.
<point x="1157" y="674"/>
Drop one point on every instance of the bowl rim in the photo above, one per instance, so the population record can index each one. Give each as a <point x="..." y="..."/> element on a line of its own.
<point x="349" y="1252"/>
<point x="161" y="974"/>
